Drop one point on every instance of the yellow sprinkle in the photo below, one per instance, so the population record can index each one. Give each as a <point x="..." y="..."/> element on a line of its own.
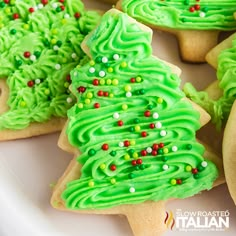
<point x="111" y="95"/>
<point x="137" y="128"/>
<point x="63" y="21"/>
<point x="102" y="81"/>
<point x="113" y="181"/>
<point x="66" y="85"/>
<point x="115" y="82"/>
<point x="138" y="79"/>
<point x="103" y="166"/>
<point x="47" y="91"/>
<point x="78" y="66"/>
<point x="53" y="41"/>
<point x="173" y="182"/>
<point x="110" y="70"/>
<point x="12" y="2"/>
<point x="135" y="155"/>
<point x="165" y="150"/>
<point x="91" y="183"/>
<point x="26" y="26"/>
<point x="1" y="25"/>
<point x="92" y="63"/>
<point x="87" y="101"/>
<point x="188" y="168"/>
<point x="22" y="103"/>
<point x="126" y="157"/>
<point x="89" y="95"/>
<point x="124" y="106"/>
<point x="108" y="82"/>
<point x="128" y="88"/>
<point x="80" y="105"/>
<point x="54" y="31"/>
<point x="132" y="142"/>
<point x="123" y="64"/>
<point x="8" y="10"/>
<point x="160" y="100"/>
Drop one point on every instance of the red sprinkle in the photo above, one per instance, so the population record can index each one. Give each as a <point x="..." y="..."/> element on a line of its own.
<point x="144" y="153"/>
<point x="62" y="8"/>
<point x="197" y="7"/>
<point x="120" y="122"/>
<point x="77" y="15"/>
<point x="132" y="80"/>
<point x="105" y="147"/>
<point x="161" y="145"/>
<point x="192" y="9"/>
<point x="68" y="78"/>
<point x="96" y="105"/>
<point x="95" y="82"/>
<point x="100" y="93"/>
<point x="30" y="83"/>
<point x="31" y="9"/>
<point x="147" y="113"/>
<point x="16" y="16"/>
<point x="81" y="89"/>
<point x="126" y="143"/>
<point x="44" y="2"/>
<point x="144" y="134"/>
<point x="106" y="94"/>
<point x="152" y="125"/>
<point x="194" y="170"/>
<point x="113" y="167"/>
<point x="154" y="152"/>
<point x="61" y="1"/>
<point x="27" y="54"/>
<point x="179" y="181"/>
<point x="7" y="1"/>
<point x="155" y="146"/>
<point x="134" y="162"/>
<point x="139" y="161"/>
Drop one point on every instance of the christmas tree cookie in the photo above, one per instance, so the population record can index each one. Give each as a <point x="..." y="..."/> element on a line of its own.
<point x="219" y="100"/>
<point x="196" y="23"/>
<point x="39" y="46"/>
<point x="131" y="131"/>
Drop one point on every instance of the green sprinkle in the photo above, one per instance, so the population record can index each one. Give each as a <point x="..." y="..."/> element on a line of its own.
<point x="91" y="152"/>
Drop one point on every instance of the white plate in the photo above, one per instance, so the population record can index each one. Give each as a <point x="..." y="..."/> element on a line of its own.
<point x="28" y="167"/>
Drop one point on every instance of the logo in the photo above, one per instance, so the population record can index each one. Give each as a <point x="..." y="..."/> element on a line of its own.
<point x="169" y="220"/>
<point x="197" y="220"/>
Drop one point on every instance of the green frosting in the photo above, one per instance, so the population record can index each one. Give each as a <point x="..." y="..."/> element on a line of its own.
<point x="51" y="34"/>
<point x="226" y="74"/>
<point x="135" y="132"/>
<point x="183" y="14"/>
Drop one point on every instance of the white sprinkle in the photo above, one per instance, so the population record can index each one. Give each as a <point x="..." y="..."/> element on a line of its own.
<point x="149" y="149"/>
<point x="116" y="56"/>
<point x="33" y="58"/>
<point x="66" y="16"/>
<point x="102" y="73"/>
<point x="91" y="69"/>
<point x="75" y="73"/>
<point x="73" y="55"/>
<point x="174" y="148"/>
<point x="55" y="48"/>
<point x="132" y="189"/>
<point x="104" y="59"/>
<point x="69" y="100"/>
<point x="121" y="144"/>
<point x="116" y="115"/>
<point x="128" y="94"/>
<point x="204" y="164"/>
<point x="202" y="14"/>
<point x="40" y="6"/>
<point x="165" y="167"/>
<point x="35" y="8"/>
<point x="57" y="66"/>
<point x="163" y="133"/>
<point x="155" y="115"/>
<point x="37" y="81"/>
<point x="158" y="125"/>
<point x="54" y="5"/>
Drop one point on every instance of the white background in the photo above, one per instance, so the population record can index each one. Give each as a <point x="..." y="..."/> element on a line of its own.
<point x="28" y="167"/>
